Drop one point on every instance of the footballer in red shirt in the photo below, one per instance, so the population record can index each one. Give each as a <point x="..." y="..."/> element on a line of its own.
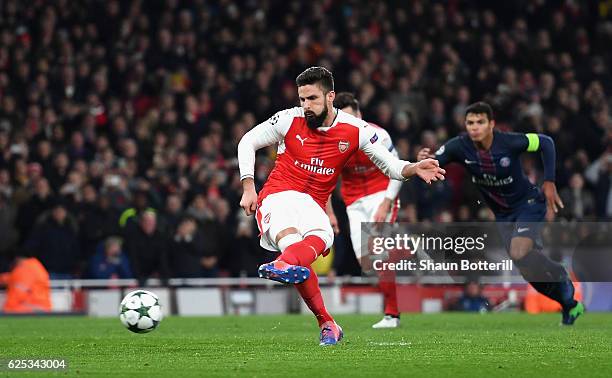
<point x="314" y="142"/>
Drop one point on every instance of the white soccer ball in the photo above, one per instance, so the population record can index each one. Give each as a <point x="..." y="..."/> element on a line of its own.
<point x="140" y="311"/>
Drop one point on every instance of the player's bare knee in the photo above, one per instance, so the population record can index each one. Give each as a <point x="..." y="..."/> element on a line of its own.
<point x="287" y="240"/>
<point x="520" y="247"/>
<point x="281" y="234"/>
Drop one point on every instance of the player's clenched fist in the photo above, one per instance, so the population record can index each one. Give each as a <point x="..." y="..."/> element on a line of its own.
<point x="249" y="202"/>
<point x="249" y="196"/>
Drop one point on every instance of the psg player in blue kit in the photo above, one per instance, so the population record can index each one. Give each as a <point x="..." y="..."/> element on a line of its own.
<point x="492" y="158"/>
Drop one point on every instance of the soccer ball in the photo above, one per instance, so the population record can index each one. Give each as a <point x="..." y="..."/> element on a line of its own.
<point x="140" y="311"/>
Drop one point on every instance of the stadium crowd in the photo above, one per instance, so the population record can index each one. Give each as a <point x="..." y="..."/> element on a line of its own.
<point x="119" y="120"/>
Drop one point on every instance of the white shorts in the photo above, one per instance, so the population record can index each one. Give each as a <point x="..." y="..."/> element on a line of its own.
<point x="363" y="210"/>
<point x="282" y="210"/>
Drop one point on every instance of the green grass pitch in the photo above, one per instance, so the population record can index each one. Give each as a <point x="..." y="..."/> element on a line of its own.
<point x="458" y="345"/>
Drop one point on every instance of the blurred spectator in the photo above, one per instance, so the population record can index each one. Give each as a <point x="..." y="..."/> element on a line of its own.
<point x="114" y="188"/>
<point x="242" y="260"/>
<point x="173" y="212"/>
<point x="578" y="201"/>
<point x="147" y="248"/>
<point x="92" y="221"/>
<point x="29" y="211"/>
<point x="599" y="175"/>
<point x="5" y="183"/>
<point x="8" y="232"/>
<point x="109" y="261"/>
<point x="55" y="243"/>
<point x="472" y="299"/>
<point x="140" y="204"/>
<point x="27" y="287"/>
<point x="199" y="209"/>
<point x="59" y="171"/>
<point x="193" y="254"/>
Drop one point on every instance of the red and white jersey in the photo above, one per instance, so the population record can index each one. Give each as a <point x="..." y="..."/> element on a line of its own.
<point x="310" y="161"/>
<point x="361" y="177"/>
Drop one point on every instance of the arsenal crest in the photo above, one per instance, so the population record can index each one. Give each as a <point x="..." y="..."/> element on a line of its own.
<point x="343" y="146"/>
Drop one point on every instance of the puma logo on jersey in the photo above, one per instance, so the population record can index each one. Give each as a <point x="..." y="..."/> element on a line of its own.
<point x="300" y="139"/>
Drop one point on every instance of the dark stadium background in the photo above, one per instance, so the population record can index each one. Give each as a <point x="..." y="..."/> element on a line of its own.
<point x="107" y="106"/>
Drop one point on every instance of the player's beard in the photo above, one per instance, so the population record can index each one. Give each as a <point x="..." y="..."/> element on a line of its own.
<point x="315" y="121"/>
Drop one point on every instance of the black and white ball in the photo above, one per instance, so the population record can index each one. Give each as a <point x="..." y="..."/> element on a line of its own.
<point x="140" y="311"/>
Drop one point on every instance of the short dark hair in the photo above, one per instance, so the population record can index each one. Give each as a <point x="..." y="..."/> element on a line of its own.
<point x="480" y="107"/>
<point x="316" y="75"/>
<point x="346" y="99"/>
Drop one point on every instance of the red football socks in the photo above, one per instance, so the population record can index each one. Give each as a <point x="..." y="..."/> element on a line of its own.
<point x="311" y="294"/>
<point x="389" y="292"/>
<point x="305" y="252"/>
<point x="388" y="287"/>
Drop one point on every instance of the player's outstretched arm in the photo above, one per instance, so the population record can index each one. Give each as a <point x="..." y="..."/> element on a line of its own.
<point x="429" y="170"/>
<point x="397" y="169"/>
